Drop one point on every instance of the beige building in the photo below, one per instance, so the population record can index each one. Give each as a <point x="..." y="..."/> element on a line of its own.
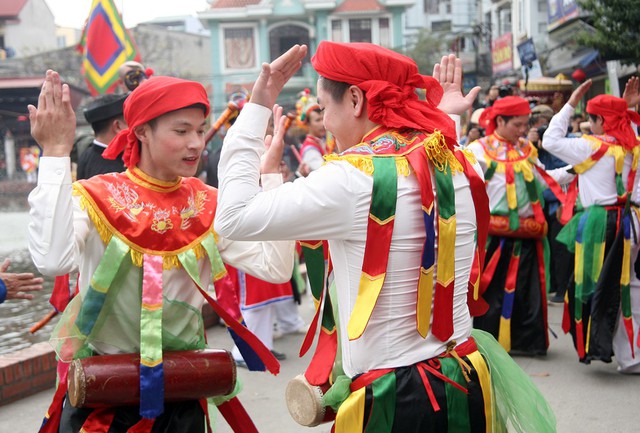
<point x="27" y="27"/>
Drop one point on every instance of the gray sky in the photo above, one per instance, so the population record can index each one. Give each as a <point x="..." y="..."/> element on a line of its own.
<point x="73" y="13"/>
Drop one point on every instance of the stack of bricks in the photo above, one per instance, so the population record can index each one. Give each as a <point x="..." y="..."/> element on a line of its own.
<point x="26" y="372"/>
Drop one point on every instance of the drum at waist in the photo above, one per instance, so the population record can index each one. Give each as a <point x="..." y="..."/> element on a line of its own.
<point x="306" y="404"/>
<point x="114" y="380"/>
<point x="528" y="228"/>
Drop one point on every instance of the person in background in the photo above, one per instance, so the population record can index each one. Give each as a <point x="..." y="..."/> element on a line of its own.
<point x="560" y="259"/>
<point x="132" y="74"/>
<point x="104" y="114"/>
<point x="474" y="132"/>
<point x="603" y="303"/>
<point x="514" y="278"/>
<point x="17" y="286"/>
<point x="310" y="116"/>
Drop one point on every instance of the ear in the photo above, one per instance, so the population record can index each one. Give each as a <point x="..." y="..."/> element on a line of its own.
<point x="142" y="132"/>
<point x="357" y="100"/>
<point x="117" y="125"/>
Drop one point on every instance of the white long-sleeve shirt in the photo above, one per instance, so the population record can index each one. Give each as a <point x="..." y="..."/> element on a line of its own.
<point x="598" y="184"/>
<point x="63" y="239"/>
<point x="333" y="203"/>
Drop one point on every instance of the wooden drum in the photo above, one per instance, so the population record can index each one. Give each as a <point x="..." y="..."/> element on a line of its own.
<point x="114" y="380"/>
<point x="306" y="404"/>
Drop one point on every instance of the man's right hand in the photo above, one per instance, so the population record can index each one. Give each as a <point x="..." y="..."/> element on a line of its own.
<point x="53" y="122"/>
<point x="579" y="93"/>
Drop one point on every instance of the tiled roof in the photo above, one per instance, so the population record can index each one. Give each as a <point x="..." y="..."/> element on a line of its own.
<point x="223" y="4"/>
<point x="359" y="6"/>
<point x="11" y="8"/>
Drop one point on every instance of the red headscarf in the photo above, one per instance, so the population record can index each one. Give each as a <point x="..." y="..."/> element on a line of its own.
<point x="617" y="118"/>
<point x="507" y="106"/>
<point x="389" y="81"/>
<point x="153" y="98"/>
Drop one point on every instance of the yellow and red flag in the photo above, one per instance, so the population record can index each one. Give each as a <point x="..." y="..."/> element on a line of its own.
<point x="105" y="45"/>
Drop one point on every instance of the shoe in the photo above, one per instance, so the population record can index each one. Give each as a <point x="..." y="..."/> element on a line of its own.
<point x="277" y="335"/>
<point x="279" y="355"/>
<point x="241" y="363"/>
<point x="557" y="299"/>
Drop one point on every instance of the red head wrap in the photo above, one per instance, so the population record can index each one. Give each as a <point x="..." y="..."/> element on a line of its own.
<point x="617" y="118"/>
<point x="507" y="106"/>
<point x="153" y="98"/>
<point x="389" y="81"/>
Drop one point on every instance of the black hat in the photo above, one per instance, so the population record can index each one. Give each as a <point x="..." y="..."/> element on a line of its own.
<point x="104" y="107"/>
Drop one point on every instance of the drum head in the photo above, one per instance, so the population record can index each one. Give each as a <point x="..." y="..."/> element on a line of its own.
<point x="304" y="402"/>
<point x="76" y="384"/>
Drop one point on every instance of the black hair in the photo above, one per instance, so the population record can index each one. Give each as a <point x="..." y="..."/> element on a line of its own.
<point x="102" y="126"/>
<point x="335" y="89"/>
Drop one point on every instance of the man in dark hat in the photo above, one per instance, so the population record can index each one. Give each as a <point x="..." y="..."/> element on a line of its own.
<point x="104" y="114"/>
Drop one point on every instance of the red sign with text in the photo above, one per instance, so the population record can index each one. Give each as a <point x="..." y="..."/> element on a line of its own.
<point x="502" y="53"/>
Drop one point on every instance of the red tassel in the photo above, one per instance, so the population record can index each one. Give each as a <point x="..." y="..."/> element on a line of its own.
<point x="100" y="420"/>
<point x="237" y="417"/>
<point x="628" y="325"/>
<point x="580" y="339"/>
<point x="442" y="326"/>
<point x="321" y="364"/>
<point x="566" y="318"/>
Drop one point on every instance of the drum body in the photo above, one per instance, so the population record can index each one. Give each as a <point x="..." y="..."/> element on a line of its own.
<point x="114" y="380"/>
<point x="305" y="402"/>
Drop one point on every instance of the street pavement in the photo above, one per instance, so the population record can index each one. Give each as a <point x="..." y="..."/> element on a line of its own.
<point x="585" y="398"/>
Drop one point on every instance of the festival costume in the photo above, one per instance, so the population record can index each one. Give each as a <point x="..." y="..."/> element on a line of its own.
<point x="385" y="206"/>
<point x="146" y="253"/>
<point x="514" y="279"/>
<point x="602" y="306"/>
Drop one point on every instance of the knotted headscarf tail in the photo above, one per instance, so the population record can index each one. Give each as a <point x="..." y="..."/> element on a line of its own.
<point x="389" y="81"/>
<point x="507" y="106"/>
<point x="617" y="118"/>
<point x="153" y="98"/>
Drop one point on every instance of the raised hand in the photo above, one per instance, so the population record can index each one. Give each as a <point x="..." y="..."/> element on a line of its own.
<point x="275" y="75"/>
<point x="274" y="144"/>
<point x="449" y="73"/>
<point x="631" y="93"/>
<point x="53" y="122"/>
<point x="579" y="93"/>
<point x="19" y="285"/>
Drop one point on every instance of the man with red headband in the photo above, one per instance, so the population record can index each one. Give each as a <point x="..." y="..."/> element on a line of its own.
<point x="602" y="306"/>
<point x="398" y="202"/>
<point x="513" y="281"/>
<point x="144" y="245"/>
<point x="309" y="116"/>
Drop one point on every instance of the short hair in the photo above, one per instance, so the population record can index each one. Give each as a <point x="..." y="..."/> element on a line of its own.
<point x="335" y="89"/>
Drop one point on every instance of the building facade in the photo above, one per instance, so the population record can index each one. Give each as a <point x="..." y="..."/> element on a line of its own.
<point x="246" y="33"/>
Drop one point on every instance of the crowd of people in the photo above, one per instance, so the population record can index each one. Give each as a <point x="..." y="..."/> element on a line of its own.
<point x="436" y="250"/>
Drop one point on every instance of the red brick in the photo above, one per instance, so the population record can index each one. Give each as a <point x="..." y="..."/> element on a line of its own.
<point x="19" y="389"/>
<point x="42" y="382"/>
<point x="9" y="374"/>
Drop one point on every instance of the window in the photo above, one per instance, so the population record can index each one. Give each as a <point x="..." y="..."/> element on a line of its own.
<point x="360" y="30"/>
<point x="336" y="31"/>
<point x="283" y="37"/>
<point x="239" y="48"/>
<point x="385" y="33"/>
<point x="441" y="26"/>
<point x="376" y="30"/>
